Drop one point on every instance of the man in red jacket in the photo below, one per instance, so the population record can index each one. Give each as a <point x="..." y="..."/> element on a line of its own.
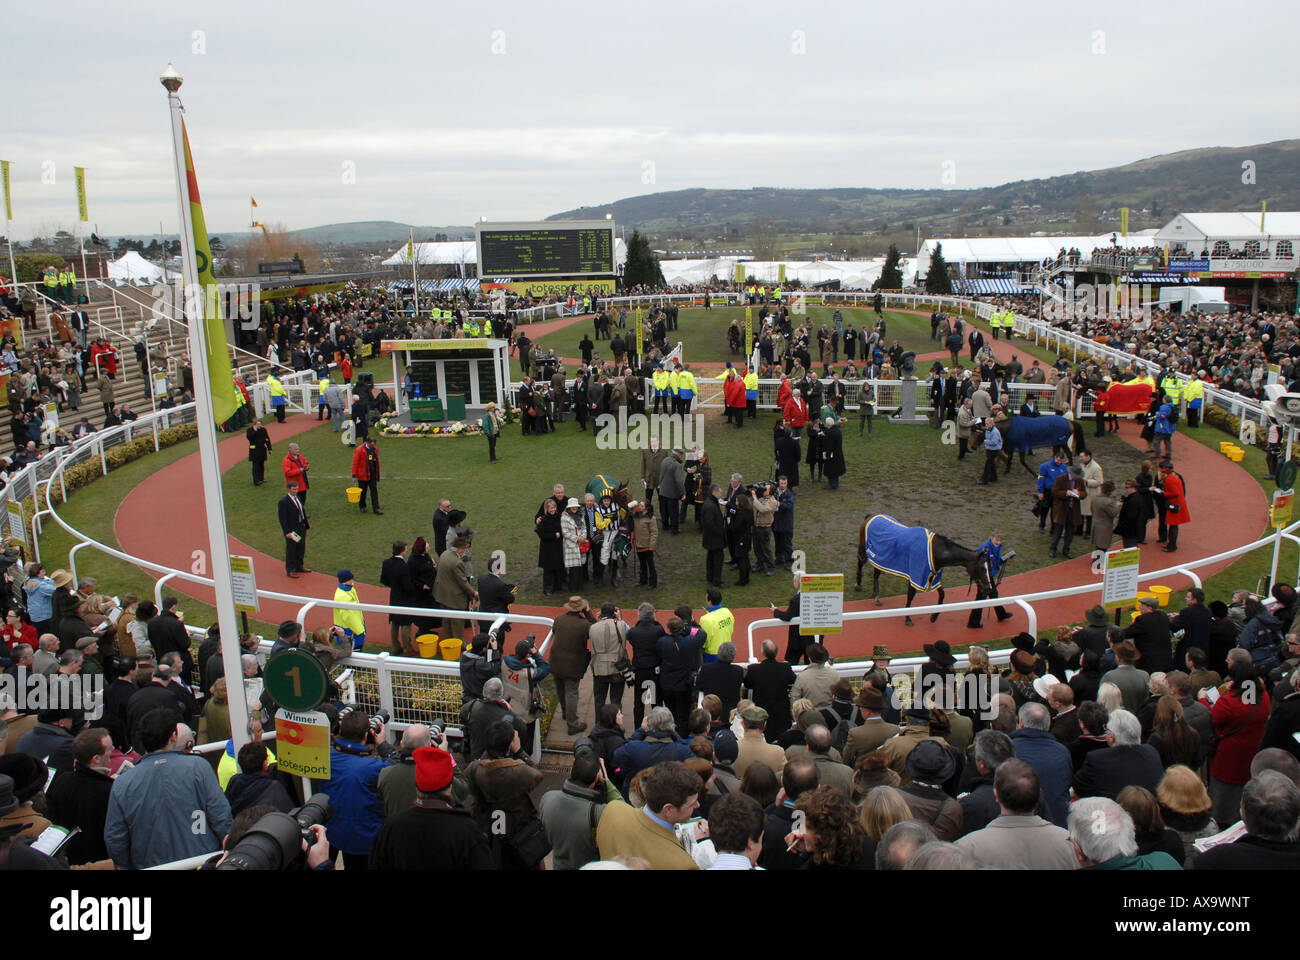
<point x="365" y="469"/>
<point x="733" y="390"/>
<point x="295" y="471"/>
<point x="795" y="412"/>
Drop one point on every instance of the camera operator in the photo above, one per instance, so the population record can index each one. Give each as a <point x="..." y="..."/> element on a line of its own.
<point x="479" y="715"/>
<point x="500" y="784"/>
<point x="765" y="507"/>
<point x="434" y="832"/>
<point x="318" y="852"/>
<point x="358" y="755"/>
<point x="571" y="813"/>
<point x="397" y="784"/>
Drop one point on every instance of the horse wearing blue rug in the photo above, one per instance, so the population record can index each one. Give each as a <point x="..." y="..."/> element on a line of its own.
<point x="1023" y="434"/>
<point x="915" y="554"/>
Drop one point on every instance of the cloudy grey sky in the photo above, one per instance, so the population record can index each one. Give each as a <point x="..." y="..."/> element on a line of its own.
<point x="446" y="112"/>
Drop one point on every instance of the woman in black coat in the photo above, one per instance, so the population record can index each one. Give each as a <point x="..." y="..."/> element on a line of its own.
<point x="550" y="552"/>
<point x="1131" y="524"/>
<point x="607" y="736"/>
<point x="814" y="456"/>
<point x="423" y="571"/>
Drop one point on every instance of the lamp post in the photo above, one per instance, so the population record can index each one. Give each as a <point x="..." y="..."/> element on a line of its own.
<point x="218" y="543"/>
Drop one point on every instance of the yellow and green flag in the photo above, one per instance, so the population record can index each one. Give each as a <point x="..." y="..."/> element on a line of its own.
<point x="226" y="398"/>
<point x="4" y="175"/>
<point x="82" y="213"/>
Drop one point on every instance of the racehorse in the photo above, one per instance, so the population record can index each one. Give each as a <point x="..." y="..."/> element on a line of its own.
<point x="1122" y="399"/>
<point x="916" y="554"/>
<point x="599" y="485"/>
<point x="1023" y="434"/>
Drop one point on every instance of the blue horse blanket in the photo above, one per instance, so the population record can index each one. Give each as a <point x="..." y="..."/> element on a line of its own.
<point x="906" y="552"/>
<point x="1031" y="433"/>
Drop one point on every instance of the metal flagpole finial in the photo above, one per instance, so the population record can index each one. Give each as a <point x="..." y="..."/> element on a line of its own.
<point x="171" y="79"/>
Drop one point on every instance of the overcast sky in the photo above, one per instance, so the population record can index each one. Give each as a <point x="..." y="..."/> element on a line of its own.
<point x="444" y="112"/>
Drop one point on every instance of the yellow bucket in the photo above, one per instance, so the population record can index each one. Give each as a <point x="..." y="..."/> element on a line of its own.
<point x="1161" y="593"/>
<point x="354" y="494"/>
<point x="1225" y="446"/>
<point x="428" y="644"/>
<point x="450" y="648"/>
<point x="1236" y="456"/>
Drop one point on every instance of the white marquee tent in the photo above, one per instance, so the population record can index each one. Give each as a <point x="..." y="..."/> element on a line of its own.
<point x="135" y="269"/>
<point x="1025" y="249"/>
<point x="1199" y="230"/>
<point x="852" y="274"/>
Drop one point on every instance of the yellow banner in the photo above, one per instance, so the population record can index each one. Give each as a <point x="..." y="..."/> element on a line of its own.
<point x="740" y="273"/>
<point x="1123" y="221"/>
<point x="81" y="194"/>
<point x="470" y="343"/>
<point x="282" y="293"/>
<point x="552" y="288"/>
<point x="749" y="331"/>
<point x="303" y="743"/>
<point x="9" y="207"/>
<point x="780" y="273"/>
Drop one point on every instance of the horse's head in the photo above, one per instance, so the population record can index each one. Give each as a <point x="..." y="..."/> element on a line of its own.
<point x="621" y="495"/>
<point x="978" y="570"/>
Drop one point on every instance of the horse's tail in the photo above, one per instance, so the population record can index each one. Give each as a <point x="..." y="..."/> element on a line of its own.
<point x="862" y="539"/>
<point x="1077" y="439"/>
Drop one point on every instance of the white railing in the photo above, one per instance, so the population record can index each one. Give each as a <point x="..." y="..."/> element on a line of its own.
<point x="1026" y="600"/>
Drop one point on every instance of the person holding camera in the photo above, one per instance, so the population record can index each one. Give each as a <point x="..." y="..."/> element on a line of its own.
<point x="521" y="678"/>
<point x="434" y="832"/>
<point x="572" y="813"/>
<point x="480" y="662"/>
<point x="609" y="659"/>
<point x="500" y="784"/>
<point x="358" y="755"/>
<point x="477" y="716"/>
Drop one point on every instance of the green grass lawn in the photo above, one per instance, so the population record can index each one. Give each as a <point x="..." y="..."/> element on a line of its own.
<point x="903" y="471"/>
<point x="92" y="510"/>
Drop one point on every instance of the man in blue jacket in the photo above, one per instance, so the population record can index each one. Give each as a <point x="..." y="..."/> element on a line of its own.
<point x="168" y="806"/>
<point x="354" y="776"/>
<point x="1049" y="757"/>
<point x="1047" y="474"/>
<point x="656" y="742"/>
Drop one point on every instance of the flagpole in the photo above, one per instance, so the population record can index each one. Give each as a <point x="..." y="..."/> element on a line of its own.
<point x="415" y="281"/>
<point x="219" y="546"/>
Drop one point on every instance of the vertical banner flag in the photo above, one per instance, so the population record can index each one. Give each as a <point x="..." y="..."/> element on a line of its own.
<point x="780" y="273"/>
<point x="1123" y="221"/>
<point x="1263" y="205"/>
<point x="749" y="331"/>
<point x="4" y="175"/>
<point x="410" y="248"/>
<point x="252" y="199"/>
<point x="640" y="335"/>
<point x="81" y="194"/>
<point x="226" y="398"/>
<point x="740" y="274"/>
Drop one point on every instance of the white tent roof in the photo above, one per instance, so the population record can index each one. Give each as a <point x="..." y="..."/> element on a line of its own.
<point x="463" y="252"/>
<point x="133" y="268"/>
<point x="852" y="274"/>
<point x="1199" y="227"/>
<point x="1024" y="249"/>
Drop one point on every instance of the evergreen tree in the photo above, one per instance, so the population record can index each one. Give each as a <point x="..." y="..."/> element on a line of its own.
<point x="642" y="265"/>
<point x="936" y="278"/>
<point x="891" y="278"/>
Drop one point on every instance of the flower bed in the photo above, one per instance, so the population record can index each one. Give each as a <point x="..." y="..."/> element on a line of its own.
<point x="389" y="426"/>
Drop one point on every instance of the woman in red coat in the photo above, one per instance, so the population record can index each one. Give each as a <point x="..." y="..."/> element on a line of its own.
<point x="796" y="412"/>
<point x="1175" y="503"/>
<point x="783" y="393"/>
<point x="1240" y="717"/>
<point x="345" y="368"/>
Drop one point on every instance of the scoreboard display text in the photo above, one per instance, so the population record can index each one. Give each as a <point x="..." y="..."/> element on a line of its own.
<point x="541" y="251"/>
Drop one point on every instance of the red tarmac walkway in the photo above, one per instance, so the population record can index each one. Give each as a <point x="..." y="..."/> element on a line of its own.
<point x="161" y="520"/>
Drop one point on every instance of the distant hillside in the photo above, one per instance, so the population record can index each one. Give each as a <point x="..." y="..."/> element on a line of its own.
<point x="1204" y="179"/>
<point x="377" y="231"/>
